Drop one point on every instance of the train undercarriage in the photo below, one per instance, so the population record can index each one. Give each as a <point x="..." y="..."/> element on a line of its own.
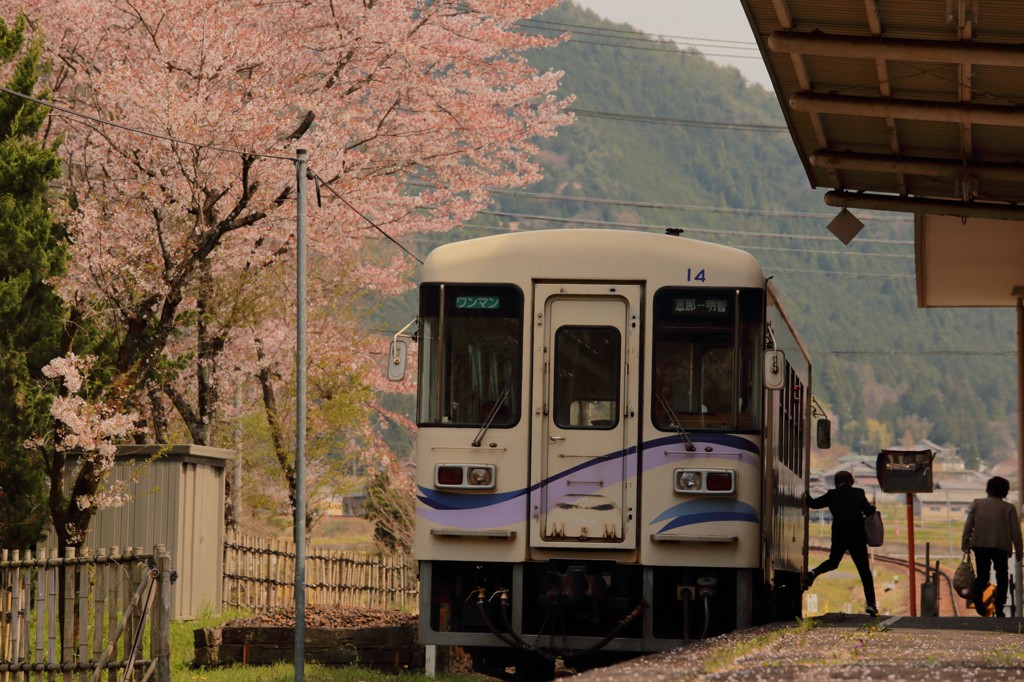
<point x="516" y="620"/>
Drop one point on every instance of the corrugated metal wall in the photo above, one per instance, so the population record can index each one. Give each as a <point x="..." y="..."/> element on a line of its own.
<point x="177" y="500"/>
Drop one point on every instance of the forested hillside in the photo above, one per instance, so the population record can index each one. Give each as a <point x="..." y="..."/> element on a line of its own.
<point x="667" y="138"/>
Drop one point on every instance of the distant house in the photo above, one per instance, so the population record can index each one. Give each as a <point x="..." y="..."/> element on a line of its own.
<point x="946" y="458"/>
<point x="864" y="476"/>
<point x="956" y="487"/>
<point x="947" y="504"/>
<point x="350" y="505"/>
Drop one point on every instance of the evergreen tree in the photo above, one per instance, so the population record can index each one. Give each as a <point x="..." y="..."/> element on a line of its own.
<point x="31" y="313"/>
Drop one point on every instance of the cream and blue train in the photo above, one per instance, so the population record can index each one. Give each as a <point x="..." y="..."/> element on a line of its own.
<point x="613" y="443"/>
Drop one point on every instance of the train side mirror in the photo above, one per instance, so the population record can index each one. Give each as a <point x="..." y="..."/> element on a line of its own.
<point x="774" y="364"/>
<point x="397" y="358"/>
<point x="824" y="435"/>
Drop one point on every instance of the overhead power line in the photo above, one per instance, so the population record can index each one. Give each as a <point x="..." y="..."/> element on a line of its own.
<point x="323" y="183"/>
<point x="645" y="42"/>
<point x="660" y="120"/>
<point x="742" y="44"/>
<point x="93" y="119"/>
<point x="147" y="133"/>
<point x="816" y="252"/>
<point x="839" y="273"/>
<point x="770" y="213"/>
<point x="168" y="138"/>
<point x="699" y="230"/>
<point x="500" y="229"/>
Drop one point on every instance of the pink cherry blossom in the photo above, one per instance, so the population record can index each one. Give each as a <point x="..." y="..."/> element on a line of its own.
<point x="183" y="224"/>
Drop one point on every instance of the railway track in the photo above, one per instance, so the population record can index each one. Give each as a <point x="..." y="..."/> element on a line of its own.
<point x="922" y="570"/>
<point x="847" y="646"/>
<point x="840" y="646"/>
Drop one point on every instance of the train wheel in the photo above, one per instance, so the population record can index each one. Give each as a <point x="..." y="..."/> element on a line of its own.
<point x="531" y="667"/>
<point x="509" y="664"/>
<point x="782" y="602"/>
<point x="788" y="596"/>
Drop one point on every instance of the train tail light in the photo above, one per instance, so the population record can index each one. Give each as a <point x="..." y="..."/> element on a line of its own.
<point x="465" y="476"/>
<point x="448" y="475"/>
<point x="704" y="481"/>
<point x="720" y="482"/>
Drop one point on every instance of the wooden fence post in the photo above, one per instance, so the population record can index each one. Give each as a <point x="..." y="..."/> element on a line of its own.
<point x="5" y="607"/>
<point x="15" y="610"/>
<point x="256" y="571"/>
<point x="102" y="573"/>
<point x="160" y="628"/>
<point x="82" y="632"/>
<point x="42" y="577"/>
<point x="67" y="648"/>
<point x="116" y="599"/>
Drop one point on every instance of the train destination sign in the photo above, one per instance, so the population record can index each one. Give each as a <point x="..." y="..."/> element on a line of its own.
<point x="715" y="306"/>
<point x="477" y="302"/>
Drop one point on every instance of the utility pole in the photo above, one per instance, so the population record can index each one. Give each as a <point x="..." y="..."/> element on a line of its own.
<point x="1018" y="589"/>
<point x="301" y="161"/>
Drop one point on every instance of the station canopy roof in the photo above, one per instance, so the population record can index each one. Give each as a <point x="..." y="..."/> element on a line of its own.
<point x="914" y="106"/>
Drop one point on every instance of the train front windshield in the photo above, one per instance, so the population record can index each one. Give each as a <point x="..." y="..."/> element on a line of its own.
<point x="471" y="349"/>
<point x="707" y="350"/>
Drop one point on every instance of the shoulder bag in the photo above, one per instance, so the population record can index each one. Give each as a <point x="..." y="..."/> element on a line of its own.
<point x="963" y="578"/>
<point x="874" y="530"/>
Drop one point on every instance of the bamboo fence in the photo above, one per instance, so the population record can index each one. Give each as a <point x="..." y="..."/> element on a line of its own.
<point x="82" y="616"/>
<point x="259" y="576"/>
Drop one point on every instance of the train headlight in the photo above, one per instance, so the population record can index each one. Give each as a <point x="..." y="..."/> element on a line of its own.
<point x="688" y="480"/>
<point x="465" y="476"/>
<point x="705" y="481"/>
<point x="481" y="476"/>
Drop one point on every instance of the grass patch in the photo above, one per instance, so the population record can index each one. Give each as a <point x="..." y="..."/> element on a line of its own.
<point x="724" y="658"/>
<point x="806" y="624"/>
<point x="349" y="533"/>
<point x="840" y="589"/>
<point x="1002" y="657"/>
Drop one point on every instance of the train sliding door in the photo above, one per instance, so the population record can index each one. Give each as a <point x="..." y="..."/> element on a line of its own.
<point x="583" y="473"/>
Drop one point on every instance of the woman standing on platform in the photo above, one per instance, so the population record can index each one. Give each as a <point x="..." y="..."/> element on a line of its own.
<point x="992" y="530"/>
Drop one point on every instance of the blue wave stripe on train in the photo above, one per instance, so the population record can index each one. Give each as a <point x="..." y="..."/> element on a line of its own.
<point x="501" y="509"/>
<point x="704" y="511"/>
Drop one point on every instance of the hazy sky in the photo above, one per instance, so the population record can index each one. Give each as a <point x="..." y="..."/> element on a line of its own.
<point x="718" y="28"/>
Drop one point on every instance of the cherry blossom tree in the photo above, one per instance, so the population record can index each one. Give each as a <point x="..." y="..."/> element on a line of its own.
<point x="341" y="398"/>
<point x="83" y="436"/>
<point x="187" y="114"/>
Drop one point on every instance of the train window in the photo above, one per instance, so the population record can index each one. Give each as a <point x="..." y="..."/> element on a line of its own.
<point x="586" y="391"/>
<point x="707" y="346"/>
<point x="792" y="417"/>
<point x="470" y="355"/>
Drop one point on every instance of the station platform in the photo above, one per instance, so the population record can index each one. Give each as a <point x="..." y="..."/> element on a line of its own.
<point x="842" y="646"/>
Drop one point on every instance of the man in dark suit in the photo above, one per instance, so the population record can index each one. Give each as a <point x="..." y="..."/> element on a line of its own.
<point x="849" y="507"/>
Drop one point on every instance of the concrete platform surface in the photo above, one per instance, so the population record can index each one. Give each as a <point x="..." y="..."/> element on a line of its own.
<point x="844" y="647"/>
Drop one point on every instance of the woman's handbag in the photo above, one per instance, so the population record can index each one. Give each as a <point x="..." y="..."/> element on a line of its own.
<point x="963" y="578"/>
<point x="874" y="530"/>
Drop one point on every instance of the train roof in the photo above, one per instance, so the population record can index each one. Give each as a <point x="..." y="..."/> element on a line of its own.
<point x="591" y="254"/>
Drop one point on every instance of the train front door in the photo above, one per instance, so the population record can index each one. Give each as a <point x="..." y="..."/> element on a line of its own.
<point x="584" y="436"/>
